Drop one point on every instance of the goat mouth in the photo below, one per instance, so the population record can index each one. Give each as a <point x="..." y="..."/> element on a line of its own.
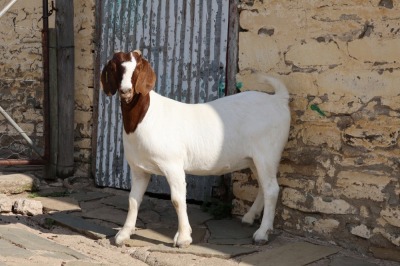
<point x="127" y="97"/>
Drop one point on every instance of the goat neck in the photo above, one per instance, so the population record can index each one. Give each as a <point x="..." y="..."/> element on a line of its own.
<point x="134" y="111"/>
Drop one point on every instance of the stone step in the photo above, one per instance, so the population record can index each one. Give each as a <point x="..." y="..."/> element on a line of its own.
<point x="19" y="238"/>
<point x="82" y="226"/>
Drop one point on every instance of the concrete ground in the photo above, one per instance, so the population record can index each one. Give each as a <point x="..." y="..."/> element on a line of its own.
<point x="79" y="223"/>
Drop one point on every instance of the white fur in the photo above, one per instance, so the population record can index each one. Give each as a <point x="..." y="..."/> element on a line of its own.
<point x="246" y="130"/>
<point x="126" y="83"/>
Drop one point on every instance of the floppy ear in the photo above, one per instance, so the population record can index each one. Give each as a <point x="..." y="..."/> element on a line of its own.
<point x="143" y="77"/>
<point x="108" y="78"/>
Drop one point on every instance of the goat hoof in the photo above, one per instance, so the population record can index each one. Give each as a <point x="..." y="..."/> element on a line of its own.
<point x="121" y="237"/>
<point x="181" y="242"/>
<point x="248" y="219"/>
<point x="260" y="238"/>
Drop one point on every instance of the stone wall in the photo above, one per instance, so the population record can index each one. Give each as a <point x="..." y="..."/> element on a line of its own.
<point x="21" y="87"/>
<point x="21" y="77"/>
<point x="84" y="22"/>
<point x="340" y="171"/>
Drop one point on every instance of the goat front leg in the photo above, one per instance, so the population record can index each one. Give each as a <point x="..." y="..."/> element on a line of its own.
<point x="177" y="183"/>
<point x="140" y="180"/>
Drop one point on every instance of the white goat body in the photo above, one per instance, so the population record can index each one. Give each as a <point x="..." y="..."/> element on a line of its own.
<point x="246" y="130"/>
<point x="212" y="138"/>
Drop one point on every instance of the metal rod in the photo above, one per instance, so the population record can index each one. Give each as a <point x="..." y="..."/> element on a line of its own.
<point x="46" y="87"/>
<point x="7" y="7"/>
<point x="21" y="162"/>
<point x="20" y="131"/>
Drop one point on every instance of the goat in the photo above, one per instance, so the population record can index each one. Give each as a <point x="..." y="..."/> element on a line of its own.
<point x="165" y="137"/>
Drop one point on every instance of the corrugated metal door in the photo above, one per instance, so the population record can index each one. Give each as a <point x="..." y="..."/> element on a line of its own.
<point x="186" y="43"/>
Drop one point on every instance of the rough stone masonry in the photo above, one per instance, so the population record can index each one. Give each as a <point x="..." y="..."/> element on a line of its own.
<point x="340" y="170"/>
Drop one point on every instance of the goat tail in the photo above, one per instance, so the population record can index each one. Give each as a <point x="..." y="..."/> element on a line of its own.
<point x="280" y="88"/>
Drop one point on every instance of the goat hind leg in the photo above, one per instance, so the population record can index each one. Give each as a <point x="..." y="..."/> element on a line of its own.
<point x="140" y="180"/>
<point x="269" y="185"/>
<point x="257" y="206"/>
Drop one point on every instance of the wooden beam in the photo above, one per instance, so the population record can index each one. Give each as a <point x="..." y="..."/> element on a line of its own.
<point x="65" y="84"/>
<point x="232" y="48"/>
<point x="53" y="106"/>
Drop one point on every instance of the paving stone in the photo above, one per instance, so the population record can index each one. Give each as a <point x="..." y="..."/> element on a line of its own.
<point x="293" y="254"/>
<point x="197" y="216"/>
<point x="5" y="203"/>
<point x="206" y="250"/>
<point x="165" y="259"/>
<point x="150" y="237"/>
<point x="17" y="183"/>
<point x="107" y="214"/>
<point x="59" y="204"/>
<point x="8" y="249"/>
<point x="82" y="226"/>
<point x="386" y="253"/>
<point x="349" y="261"/>
<point x="27" y="240"/>
<point x="230" y="232"/>
<point x="89" y="195"/>
<point x="149" y="216"/>
<point x="84" y="263"/>
<point x="120" y="202"/>
<point x="28" y="207"/>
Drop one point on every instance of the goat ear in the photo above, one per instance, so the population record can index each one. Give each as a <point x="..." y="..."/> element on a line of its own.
<point x="145" y="76"/>
<point x="108" y="80"/>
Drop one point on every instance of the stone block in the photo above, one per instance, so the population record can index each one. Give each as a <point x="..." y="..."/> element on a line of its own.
<point x="391" y="215"/>
<point x="361" y="231"/>
<point x="17" y="183"/>
<point x="257" y="53"/>
<point x="317" y="134"/>
<point x="359" y="185"/>
<point x="5" y="203"/>
<point x="244" y="191"/>
<point x="28" y="207"/>
<point x="393" y="237"/>
<point x="313" y="53"/>
<point x="381" y="132"/>
<point x="373" y="50"/>
<point x="322" y="226"/>
<point x="303" y="184"/>
<point x="285" y="25"/>
<point x="239" y="207"/>
<point x="358" y="82"/>
<point x="305" y="202"/>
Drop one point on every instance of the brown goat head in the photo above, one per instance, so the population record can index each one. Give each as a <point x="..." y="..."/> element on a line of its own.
<point x="129" y="73"/>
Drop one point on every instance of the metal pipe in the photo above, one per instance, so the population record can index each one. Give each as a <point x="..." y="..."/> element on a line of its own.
<point x="20" y="131"/>
<point x="7" y="7"/>
<point x="8" y="162"/>
<point x="46" y="87"/>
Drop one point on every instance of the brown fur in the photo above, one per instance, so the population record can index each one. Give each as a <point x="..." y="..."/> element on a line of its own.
<point x="134" y="112"/>
<point x="143" y="80"/>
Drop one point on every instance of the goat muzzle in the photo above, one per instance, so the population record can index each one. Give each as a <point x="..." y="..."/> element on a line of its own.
<point x="127" y="96"/>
